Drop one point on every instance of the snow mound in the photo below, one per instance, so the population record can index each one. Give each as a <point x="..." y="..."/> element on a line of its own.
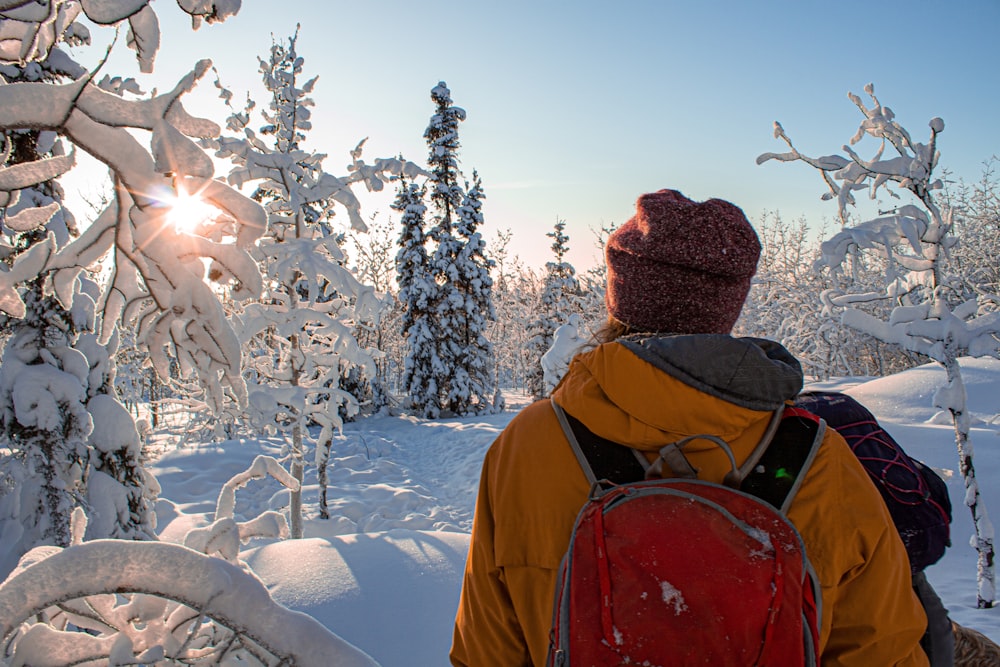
<point x="401" y="586"/>
<point x="908" y="396"/>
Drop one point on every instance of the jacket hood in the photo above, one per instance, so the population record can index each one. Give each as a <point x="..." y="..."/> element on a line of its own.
<point x="753" y="373"/>
<point x="647" y="391"/>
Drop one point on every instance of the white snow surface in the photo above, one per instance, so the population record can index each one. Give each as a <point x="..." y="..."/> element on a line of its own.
<point x="385" y="572"/>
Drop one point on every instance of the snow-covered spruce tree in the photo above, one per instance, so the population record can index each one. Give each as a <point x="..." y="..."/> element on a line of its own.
<point x="121" y="493"/>
<point x="43" y="383"/>
<point x="557" y="302"/>
<point x="49" y="397"/>
<point x="914" y="239"/>
<point x="589" y="315"/>
<point x="311" y="301"/>
<point x="473" y="387"/>
<point x="416" y="294"/>
<point x="462" y="302"/>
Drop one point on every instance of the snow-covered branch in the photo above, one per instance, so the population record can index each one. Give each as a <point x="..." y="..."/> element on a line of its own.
<point x="148" y="601"/>
<point x="929" y="318"/>
<point x="167" y="275"/>
<point x="910" y="168"/>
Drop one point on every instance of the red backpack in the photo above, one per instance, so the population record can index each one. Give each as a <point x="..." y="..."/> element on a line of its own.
<point x="680" y="571"/>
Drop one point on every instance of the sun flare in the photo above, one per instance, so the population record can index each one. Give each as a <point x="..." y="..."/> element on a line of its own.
<point x="188" y="212"/>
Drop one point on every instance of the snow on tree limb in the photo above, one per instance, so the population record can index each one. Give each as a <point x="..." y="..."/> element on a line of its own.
<point x="22" y="175"/>
<point x="212" y="11"/>
<point x="95" y="120"/>
<point x="173" y="153"/>
<point x="26" y="266"/>
<point x="6" y="5"/>
<point x="261" y="467"/>
<point x="144" y="37"/>
<point x="910" y="168"/>
<point x="930" y="318"/>
<point x="29" y="219"/>
<point x="109" y="12"/>
<point x="144" y="114"/>
<point x="32" y="29"/>
<point x="217" y="589"/>
<point x="38" y="105"/>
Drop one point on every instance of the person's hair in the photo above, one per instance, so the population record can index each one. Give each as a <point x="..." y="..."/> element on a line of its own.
<point x="612" y="330"/>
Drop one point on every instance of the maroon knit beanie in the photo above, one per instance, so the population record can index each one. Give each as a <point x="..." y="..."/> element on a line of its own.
<point x="680" y="266"/>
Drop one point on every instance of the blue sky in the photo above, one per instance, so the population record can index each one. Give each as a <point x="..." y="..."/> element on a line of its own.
<point x="576" y="108"/>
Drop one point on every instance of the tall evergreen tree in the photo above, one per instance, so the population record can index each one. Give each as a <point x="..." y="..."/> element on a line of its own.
<point x="446" y="197"/>
<point x="461" y="356"/>
<point x="473" y="387"/>
<point x="558" y="301"/>
<point x="416" y="291"/>
<point x="52" y="444"/>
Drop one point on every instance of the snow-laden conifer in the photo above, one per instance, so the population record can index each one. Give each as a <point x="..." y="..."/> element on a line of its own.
<point x="447" y="302"/>
<point x="929" y="316"/>
<point x="473" y="387"/>
<point x="450" y="357"/>
<point x="416" y="293"/>
<point x="43" y="383"/>
<point x="558" y="300"/>
<point x="70" y="442"/>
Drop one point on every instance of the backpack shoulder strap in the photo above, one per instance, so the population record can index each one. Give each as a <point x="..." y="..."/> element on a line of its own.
<point x="779" y="473"/>
<point x="601" y="459"/>
<point x="782" y="459"/>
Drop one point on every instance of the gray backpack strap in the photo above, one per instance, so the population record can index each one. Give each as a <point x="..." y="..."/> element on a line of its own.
<point x="573" y="442"/>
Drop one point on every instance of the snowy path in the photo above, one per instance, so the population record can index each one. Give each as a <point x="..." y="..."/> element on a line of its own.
<point x="389" y="561"/>
<point x="379" y="477"/>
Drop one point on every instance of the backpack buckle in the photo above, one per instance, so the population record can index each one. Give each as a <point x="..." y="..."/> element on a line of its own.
<point x="676" y="461"/>
<point x="680" y="466"/>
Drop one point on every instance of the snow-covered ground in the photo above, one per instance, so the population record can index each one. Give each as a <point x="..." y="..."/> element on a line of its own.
<point x="384" y="573"/>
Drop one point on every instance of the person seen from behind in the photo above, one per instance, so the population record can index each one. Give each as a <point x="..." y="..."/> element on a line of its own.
<point x="666" y="367"/>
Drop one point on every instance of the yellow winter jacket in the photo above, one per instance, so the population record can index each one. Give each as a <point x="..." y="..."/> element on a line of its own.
<point x="646" y="394"/>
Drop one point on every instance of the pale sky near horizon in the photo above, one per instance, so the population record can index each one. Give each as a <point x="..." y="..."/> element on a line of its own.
<point x="576" y="108"/>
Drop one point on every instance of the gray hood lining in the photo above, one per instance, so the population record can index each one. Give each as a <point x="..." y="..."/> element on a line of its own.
<point x="754" y="373"/>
